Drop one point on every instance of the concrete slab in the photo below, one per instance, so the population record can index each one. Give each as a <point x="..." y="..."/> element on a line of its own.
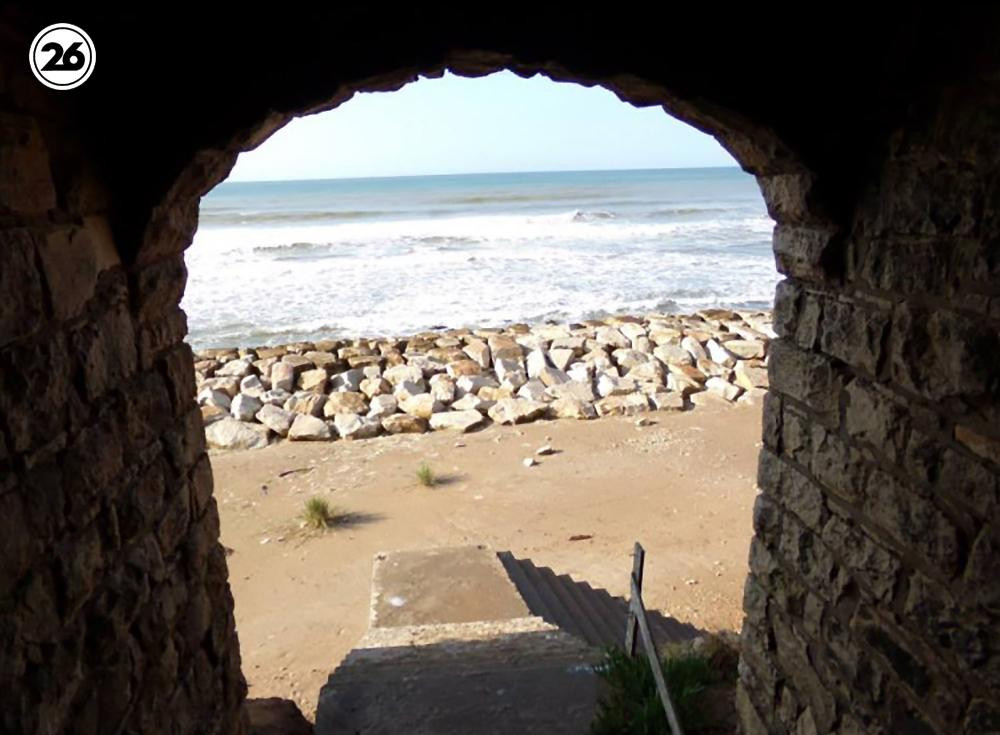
<point x="434" y="586"/>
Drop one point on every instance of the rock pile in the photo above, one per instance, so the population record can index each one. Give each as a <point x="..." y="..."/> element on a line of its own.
<point x="461" y="379"/>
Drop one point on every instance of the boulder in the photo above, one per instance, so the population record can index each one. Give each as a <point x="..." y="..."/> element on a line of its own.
<point x="349" y="380"/>
<point x="313" y="381"/>
<point x="275" y="396"/>
<point x="561" y="358"/>
<point x="513" y="380"/>
<point x="244" y="407"/>
<point x="717" y="354"/>
<point x="533" y="390"/>
<point x="443" y="387"/>
<point x="581" y="372"/>
<point x="251" y="385"/>
<point x="505" y="366"/>
<point x="517" y="410"/>
<point x="472" y="384"/>
<point x="572" y="408"/>
<point x="748" y="375"/>
<point x="609" y="384"/>
<point x="236" y="368"/>
<point x="671" y="354"/>
<point x="409" y="388"/>
<point x="456" y="420"/>
<point x="282" y="377"/>
<point x="276" y="419"/>
<point x="375" y="387"/>
<point x="478" y="351"/>
<point x="422" y="405"/>
<point x="694" y="348"/>
<point x="552" y="376"/>
<point x="399" y="373"/>
<point x="611" y="336"/>
<point x="647" y="372"/>
<point x="228" y="385"/>
<point x="309" y="428"/>
<point x="472" y="402"/>
<point x="535" y="362"/>
<point x="630" y="358"/>
<point x="298" y="363"/>
<point x="577" y="391"/>
<point x="212" y="397"/>
<point x="746" y="349"/>
<point x="211" y="414"/>
<point x="228" y="433"/>
<point x="723" y="388"/>
<point x="401" y="423"/>
<point x="381" y="406"/>
<point x="352" y="426"/>
<point x="458" y="368"/>
<point x="308" y="404"/>
<point x="667" y="400"/>
<point x="345" y="403"/>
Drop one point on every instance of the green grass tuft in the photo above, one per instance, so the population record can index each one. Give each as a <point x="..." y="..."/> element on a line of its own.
<point x="425" y="475"/>
<point x="319" y="514"/>
<point x="631" y="704"/>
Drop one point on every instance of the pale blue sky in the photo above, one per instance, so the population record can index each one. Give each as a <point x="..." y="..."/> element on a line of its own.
<point x="490" y="124"/>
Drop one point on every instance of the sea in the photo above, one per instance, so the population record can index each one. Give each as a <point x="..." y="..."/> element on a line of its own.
<point x="281" y="261"/>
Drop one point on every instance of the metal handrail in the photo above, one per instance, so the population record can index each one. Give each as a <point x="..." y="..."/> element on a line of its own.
<point x="639" y="623"/>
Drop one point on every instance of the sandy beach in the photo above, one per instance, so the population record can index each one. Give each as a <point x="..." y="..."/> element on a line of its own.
<point x="302" y="598"/>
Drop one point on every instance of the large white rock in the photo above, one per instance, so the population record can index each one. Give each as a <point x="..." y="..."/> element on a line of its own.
<point x="314" y="380"/>
<point x="723" y="388"/>
<point x="630" y="358"/>
<point x="472" y="384"/>
<point x="717" y="354"/>
<point x="632" y="331"/>
<point x="376" y="386"/>
<point x="535" y="362"/>
<point x="352" y="426"/>
<point x="251" y="385"/>
<point x="552" y="376"/>
<point x="694" y="348"/>
<point x="671" y="354"/>
<point x="309" y="428"/>
<point x="533" y="390"/>
<point x="667" y="400"/>
<point x="308" y="404"/>
<point x="398" y="373"/>
<point x="746" y="349"/>
<point x="478" y="351"/>
<point x="579" y="391"/>
<point x="456" y="420"/>
<point x="581" y="372"/>
<point x="611" y="336"/>
<point x="423" y="405"/>
<point x="276" y="419"/>
<point x="748" y="375"/>
<point x="561" y="357"/>
<point x="647" y="372"/>
<point x="245" y="407"/>
<point x="443" y="387"/>
<point x="472" y="402"/>
<point x="282" y="377"/>
<point x="381" y="406"/>
<point x="513" y="379"/>
<point x="611" y="385"/>
<point x="236" y="368"/>
<point x="228" y="433"/>
<point x="213" y="397"/>
<point x="349" y="380"/>
<point x="517" y="410"/>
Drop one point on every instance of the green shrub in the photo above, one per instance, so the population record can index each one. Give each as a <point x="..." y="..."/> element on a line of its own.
<point x="319" y="514"/>
<point x="631" y="704"/>
<point x="425" y="475"/>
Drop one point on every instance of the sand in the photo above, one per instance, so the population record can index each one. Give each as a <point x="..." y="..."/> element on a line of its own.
<point x="684" y="486"/>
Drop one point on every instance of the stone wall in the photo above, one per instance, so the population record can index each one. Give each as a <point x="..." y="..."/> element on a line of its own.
<point x="872" y="605"/>
<point x="115" y="610"/>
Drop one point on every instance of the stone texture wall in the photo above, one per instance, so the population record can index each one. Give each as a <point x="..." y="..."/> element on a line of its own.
<point x="872" y="606"/>
<point x="115" y="611"/>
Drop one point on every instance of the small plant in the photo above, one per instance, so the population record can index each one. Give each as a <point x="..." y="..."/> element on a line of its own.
<point x="425" y="475"/>
<point x="631" y="703"/>
<point x="318" y="514"/>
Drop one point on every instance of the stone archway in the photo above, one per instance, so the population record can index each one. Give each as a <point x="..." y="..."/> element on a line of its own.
<point x="872" y="601"/>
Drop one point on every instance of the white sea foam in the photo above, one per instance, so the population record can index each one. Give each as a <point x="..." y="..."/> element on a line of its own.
<point x="257" y="284"/>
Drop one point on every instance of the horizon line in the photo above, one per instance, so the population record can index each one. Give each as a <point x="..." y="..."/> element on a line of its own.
<point x="478" y="173"/>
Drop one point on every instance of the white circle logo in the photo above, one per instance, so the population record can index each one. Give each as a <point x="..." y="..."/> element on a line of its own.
<point x="62" y="56"/>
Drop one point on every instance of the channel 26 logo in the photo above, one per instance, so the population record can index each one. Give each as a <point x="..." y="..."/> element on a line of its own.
<point x="62" y="56"/>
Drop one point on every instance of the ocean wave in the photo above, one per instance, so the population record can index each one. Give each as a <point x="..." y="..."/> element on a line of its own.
<point x="222" y="217"/>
